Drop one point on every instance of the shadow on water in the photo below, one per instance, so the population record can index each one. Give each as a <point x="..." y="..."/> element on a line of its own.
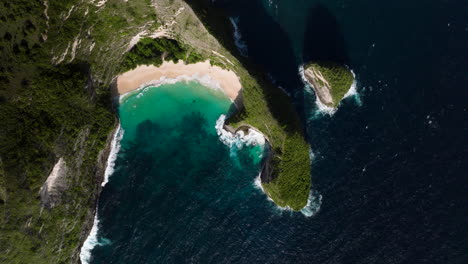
<point x="271" y="59"/>
<point x="269" y="45"/>
<point x="323" y="40"/>
<point x="160" y="171"/>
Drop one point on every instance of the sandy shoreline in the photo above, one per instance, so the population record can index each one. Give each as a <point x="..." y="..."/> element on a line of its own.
<point x="214" y="76"/>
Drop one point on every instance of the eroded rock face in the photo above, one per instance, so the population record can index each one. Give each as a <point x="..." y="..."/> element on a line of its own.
<point x="52" y="189"/>
<point x="331" y="81"/>
<point x="319" y="84"/>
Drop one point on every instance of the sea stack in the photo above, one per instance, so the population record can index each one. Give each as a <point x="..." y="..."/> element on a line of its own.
<point x="330" y="81"/>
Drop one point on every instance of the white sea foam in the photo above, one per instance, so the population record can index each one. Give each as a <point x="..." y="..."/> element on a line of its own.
<point x="312" y="207"/>
<point x="115" y="147"/>
<point x="92" y="239"/>
<point x="313" y="204"/>
<point x="311" y="155"/>
<point x="240" y="44"/>
<point x="258" y="185"/>
<point x="239" y="139"/>
<point x="91" y="242"/>
<point x="204" y="80"/>
<point x="352" y="92"/>
<point x="322" y="108"/>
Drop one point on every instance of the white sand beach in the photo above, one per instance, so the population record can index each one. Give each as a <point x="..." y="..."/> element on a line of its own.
<point x="145" y="75"/>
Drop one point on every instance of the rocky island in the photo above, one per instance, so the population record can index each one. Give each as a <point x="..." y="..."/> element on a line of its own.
<point x="330" y="81"/>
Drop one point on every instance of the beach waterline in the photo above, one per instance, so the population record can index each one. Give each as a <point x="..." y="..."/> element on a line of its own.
<point x="170" y="156"/>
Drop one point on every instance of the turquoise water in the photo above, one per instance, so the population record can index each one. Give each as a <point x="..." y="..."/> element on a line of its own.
<point x="392" y="171"/>
<point x="175" y="184"/>
<point x="168" y="105"/>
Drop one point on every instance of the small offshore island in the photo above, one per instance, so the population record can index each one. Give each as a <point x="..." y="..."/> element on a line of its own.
<point x="330" y="81"/>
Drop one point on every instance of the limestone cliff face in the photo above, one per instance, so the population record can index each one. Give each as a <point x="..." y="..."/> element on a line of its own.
<point x="320" y="85"/>
<point x="53" y="188"/>
<point x="330" y="81"/>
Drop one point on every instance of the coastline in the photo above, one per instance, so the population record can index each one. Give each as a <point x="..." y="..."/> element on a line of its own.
<point x="213" y="76"/>
<point x="323" y="92"/>
<point x="104" y="159"/>
<point x="322" y="106"/>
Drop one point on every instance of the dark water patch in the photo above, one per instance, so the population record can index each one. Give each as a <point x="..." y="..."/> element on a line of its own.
<point x="391" y="172"/>
<point x="323" y="39"/>
<point x="269" y="43"/>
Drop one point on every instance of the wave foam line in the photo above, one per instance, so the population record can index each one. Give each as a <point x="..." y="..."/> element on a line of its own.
<point x="240" y="44"/>
<point x="258" y="185"/>
<point x="314" y="202"/>
<point x="91" y="242"/>
<point x="115" y="148"/>
<point x="352" y="92"/>
<point x="239" y="139"/>
<point x="322" y="108"/>
<point x="312" y="207"/>
<point x="204" y="80"/>
<point x="92" y="239"/>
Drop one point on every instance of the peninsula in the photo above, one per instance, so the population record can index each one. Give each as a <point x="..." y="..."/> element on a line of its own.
<point x="60" y="61"/>
<point x="286" y="170"/>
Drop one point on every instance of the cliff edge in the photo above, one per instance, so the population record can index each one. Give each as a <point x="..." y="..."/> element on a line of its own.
<point x="330" y="81"/>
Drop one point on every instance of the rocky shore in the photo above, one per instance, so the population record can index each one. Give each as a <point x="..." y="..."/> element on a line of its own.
<point x="329" y="80"/>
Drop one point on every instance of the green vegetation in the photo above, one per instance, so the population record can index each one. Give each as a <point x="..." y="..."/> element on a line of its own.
<point x="268" y="109"/>
<point x="154" y="51"/>
<point x="265" y="107"/>
<point x="48" y="119"/>
<point x="50" y="111"/>
<point x="55" y="102"/>
<point x="46" y="111"/>
<point x="338" y="76"/>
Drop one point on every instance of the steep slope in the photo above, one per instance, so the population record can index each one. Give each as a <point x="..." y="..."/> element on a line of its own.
<point x="60" y="59"/>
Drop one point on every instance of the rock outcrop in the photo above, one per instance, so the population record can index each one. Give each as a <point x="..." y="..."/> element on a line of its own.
<point x="52" y="189"/>
<point x="330" y="81"/>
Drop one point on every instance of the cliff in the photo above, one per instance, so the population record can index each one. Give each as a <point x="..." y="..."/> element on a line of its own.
<point x="329" y="80"/>
<point x="60" y="58"/>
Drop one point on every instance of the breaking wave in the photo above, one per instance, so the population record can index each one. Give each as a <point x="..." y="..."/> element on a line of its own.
<point x="239" y="139"/>
<point x="115" y="147"/>
<point x="240" y="44"/>
<point x="204" y="80"/>
<point x="258" y="185"/>
<point x="313" y="204"/>
<point x="352" y="92"/>
<point x="312" y="207"/>
<point x="92" y="240"/>
<point x="322" y="108"/>
<point x="90" y="243"/>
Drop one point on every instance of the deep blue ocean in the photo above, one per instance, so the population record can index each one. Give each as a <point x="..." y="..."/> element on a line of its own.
<point x="390" y="164"/>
